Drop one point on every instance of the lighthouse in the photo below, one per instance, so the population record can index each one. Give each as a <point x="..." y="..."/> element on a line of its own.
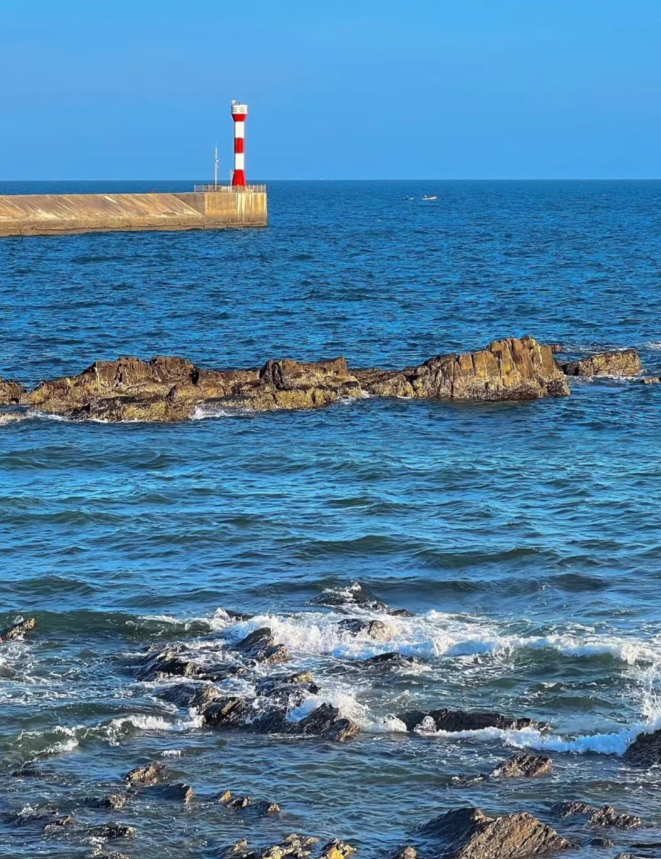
<point x="239" y="114"/>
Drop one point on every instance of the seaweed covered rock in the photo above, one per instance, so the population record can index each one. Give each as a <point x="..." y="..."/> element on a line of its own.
<point x="467" y="833"/>
<point x="624" y="362"/>
<point x="17" y="630"/>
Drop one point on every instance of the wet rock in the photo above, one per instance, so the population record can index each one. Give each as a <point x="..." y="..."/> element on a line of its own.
<point x="187" y="695"/>
<point x="407" y="852"/>
<point x="355" y="595"/>
<point x="229" y="712"/>
<point x="508" y="369"/>
<point x="594" y="816"/>
<point x="287" y="691"/>
<point x="523" y="765"/>
<point x="385" y="383"/>
<point x="650" y="380"/>
<point x="28" y="772"/>
<point x="113" y="802"/>
<point x="148" y="775"/>
<point x="467" y="833"/>
<point x="460" y="720"/>
<point x="168" y="663"/>
<point x="337" y="849"/>
<point x="645" y="750"/>
<point x="556" y="348"/>
<point x="175" y="792"/>
<point x="376" y="629"/>
<point x="625" y="362"/>
<point x="10" y="392"/>
<point x="261" y="807"/>
<point x="341" y="731"/>
<point x="112" y="831"/>
<point x="17" y="630"/>
<point x="325" y="722"/>
<point x="297" y="846"/>
<point x="58" y="825"/>
<point x="390" y="660"/>
<point x="260" y="646"/>
<point x="100" y="853"/>
<point x="601" y="842"/>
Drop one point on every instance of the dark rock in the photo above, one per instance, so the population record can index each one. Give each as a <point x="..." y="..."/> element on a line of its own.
<point x="28" y="772"/>
<point x="390" y="660"/>
<point x="230" y="801"/>
<point x="287" y="691"/>
<point x="17" y="630"/>
<point x="594" y="816"/>
<point x="189" y="695"/>
<point x="376" y="629"/>
<point x="645" y="750"/>
<point x="297" y="846"/>
<point x="625" y="362"/>
<point x="467" y="833"/>
<point x="407" y="852"/>
<point x="356" y="595"/>
<point x="168" y="663"/>
<point x="111" y="831"/>
<point x="10" y="392"/>
<point x="460" y="720"/>
<point x="229" y="712"/>
<point x="260" y="646"/>
<point x="324" y="722"/>
<point x="148" y="775"/>
<point x="341" y="731"/>
<point x="260" y="808"/>
<point x="650" y="380"/>
<point x="600" y="842"/>
<point x="58" y="825"/>
<point x="175" y="792"/>
<point x="113" y="802"/>
<point x="523" y="765"/>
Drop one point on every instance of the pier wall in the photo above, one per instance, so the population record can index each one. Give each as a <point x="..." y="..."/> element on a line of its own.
<point x="57" y="214"/>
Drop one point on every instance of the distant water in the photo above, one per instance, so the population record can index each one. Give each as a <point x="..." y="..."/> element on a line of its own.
<point x="524" y="537"/>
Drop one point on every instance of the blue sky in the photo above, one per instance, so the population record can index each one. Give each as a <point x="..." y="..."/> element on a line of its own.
<point x="384" y="89"/>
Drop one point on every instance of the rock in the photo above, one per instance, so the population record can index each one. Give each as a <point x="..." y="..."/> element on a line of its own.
<point x="376" y="629"/>
<point x="467" y="833"/>
<point x="28" y="772"/>
<point x="556" y="348"/>
<point x="523" y="765"/>
<point x="650" y="380"/>
<point x="505" y="370"/>
<point x="460" y="720"/>
<point x="17" y="630"/>
<point x="385" y="383"/>
<point x="625" y="362"/>
<point x="600" y="842"/>
<point x="390" y="660"/>
<point x="113" y="802"/>
<point x="337" y="849"/>
<point x="148" y="775"/>
<point x="324" y="722"/>
<point x="100" y="853"/>
<point x="287" y="691"/>
<point x="187" y="695"/>
<point x="645" y="750"/>
<point x="10" y="392"/>
<point x="111" y="831"/>
<point x="175" y="792"/>
<point x="293" y="845"/>
<point x="604" y="816"/>
<point x="229" y="712"/>
<point x="356" y="595"/>
<point x="260" y="646"/>
<point x="168" y="663"/>
<point x="262" y="807"/>
<point x="407" y="852"/>
<point x="58" y="825"/>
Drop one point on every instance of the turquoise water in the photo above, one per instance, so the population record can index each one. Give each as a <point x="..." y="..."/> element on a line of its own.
<point x="524" y="537"/>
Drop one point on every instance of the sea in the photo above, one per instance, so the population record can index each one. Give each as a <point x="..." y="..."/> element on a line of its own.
<point x="523" y="538"/>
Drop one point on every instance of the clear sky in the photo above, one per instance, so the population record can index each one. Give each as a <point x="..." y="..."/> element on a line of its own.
<point x="122" y="89"/>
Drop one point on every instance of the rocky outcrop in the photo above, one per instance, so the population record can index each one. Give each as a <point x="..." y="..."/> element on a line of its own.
<point x="10" y="392"/>
<point x="172" y="388"/>
<point x="645" y="750"/>
<point x="259" y="808"/>
<point x="605" y="815"/>
<point x="523" y="765"/>
<point x="388" y="661"/>
<point x="467" y="833"/>
<point x="153" y="773"/>
<point x="376" y="629"/>
<point x="296" y="846"/>
<point x="459" y="720"/>
<point x="625" y="362"/>
<point x="17" y="630"/>
<point x="353" y="596"/>
<point x="261" y="646"/>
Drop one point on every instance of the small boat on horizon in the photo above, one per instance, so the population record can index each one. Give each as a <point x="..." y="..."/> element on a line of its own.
<point x="433" y="197"/>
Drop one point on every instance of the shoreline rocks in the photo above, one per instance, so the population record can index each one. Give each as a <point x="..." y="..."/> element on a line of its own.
<point x="622" y="362"/>
<point x="454" y="721"/>
<point x="171" y="388"/>
<point x="10" y="392"/>
<point x="17" y="630"/>
<point x="645" y="750"/>
<point x="594" y="816"/>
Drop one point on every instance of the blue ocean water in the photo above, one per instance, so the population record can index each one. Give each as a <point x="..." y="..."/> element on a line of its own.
<point x="523" y="537"/>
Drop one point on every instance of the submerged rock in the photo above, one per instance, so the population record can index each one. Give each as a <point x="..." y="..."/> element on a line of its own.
<point x="390" y="660"/>
<point x="467" y="833"/>
<point x="10" y="392"/>
<point x="596" y="816"/>
<point x="625" y="362"/>
<point x="150" y="774"/>
<point x="297" y="846"/>
<point x="261" y="807"/>
<point x="187" y="695"/>
<point x="356" y="595"/>
<point x="112" y="802"/>
<point x="58" y="825"/>
<point x="523" y="765"/>
<point x="111" y="831"/>
<point x="460" y="720"/>
<point x="337" y="849"/>
<point x="17" y="630"/>
<point x="176" y="792"/>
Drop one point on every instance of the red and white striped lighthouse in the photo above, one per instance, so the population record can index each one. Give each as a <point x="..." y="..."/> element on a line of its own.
<point x="239" y="114"/>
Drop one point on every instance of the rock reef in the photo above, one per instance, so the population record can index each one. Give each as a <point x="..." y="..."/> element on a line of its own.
<point x="172" y="388"/>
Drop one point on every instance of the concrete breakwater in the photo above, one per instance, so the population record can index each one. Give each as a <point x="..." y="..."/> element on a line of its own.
<point x="57" y="214"/>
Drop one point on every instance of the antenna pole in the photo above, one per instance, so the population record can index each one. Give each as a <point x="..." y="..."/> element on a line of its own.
<point x="215" y="168"/>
